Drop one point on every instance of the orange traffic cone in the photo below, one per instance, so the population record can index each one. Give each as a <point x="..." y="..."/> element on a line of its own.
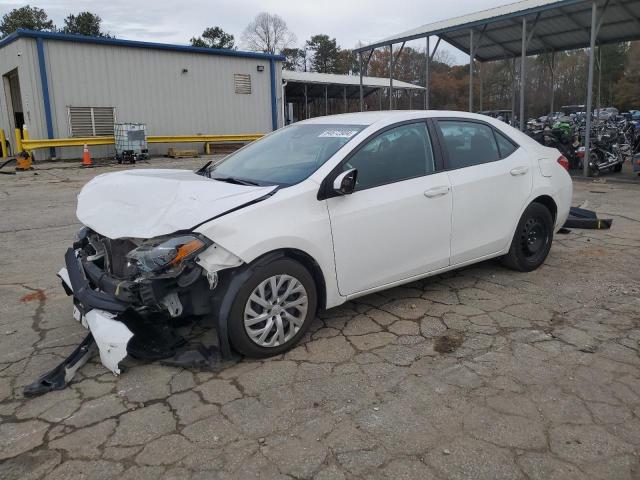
<point x="86" y="158"/>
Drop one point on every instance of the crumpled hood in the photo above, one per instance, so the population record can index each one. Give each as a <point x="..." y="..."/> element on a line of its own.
<point x="147" y="203"/>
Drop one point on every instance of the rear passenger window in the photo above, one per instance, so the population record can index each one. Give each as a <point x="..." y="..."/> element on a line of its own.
<point x="506" y="146"/>
<point x="468" y="143"/>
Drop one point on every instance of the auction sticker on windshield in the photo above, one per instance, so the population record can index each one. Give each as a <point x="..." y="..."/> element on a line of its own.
<point x="338" y="133"/>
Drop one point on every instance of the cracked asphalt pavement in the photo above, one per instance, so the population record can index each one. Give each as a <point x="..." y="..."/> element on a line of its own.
<point x="482" y="373"/>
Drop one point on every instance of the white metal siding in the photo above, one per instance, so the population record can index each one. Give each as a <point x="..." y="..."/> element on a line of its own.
<point x="22" y="54"/>
<point x="149" y="86"/>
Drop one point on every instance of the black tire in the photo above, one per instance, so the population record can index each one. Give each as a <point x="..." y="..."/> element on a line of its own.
<point x="532" y="240"/>
<point x="238" y="335"/>
<point x="617" y="168"/>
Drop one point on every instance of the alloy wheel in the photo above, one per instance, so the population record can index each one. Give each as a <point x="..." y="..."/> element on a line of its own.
<point x="275" y="310"/>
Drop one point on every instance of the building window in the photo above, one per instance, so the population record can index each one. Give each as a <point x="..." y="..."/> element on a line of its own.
<point x="91" y="121"/>
<point x="242" y="82"/>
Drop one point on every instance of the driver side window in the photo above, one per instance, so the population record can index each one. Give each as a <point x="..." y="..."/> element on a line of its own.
<point x="400" y="153"/>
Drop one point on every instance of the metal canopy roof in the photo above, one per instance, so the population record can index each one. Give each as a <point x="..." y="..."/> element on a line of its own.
<point x="347" y="80"/>
<point x="555" y="25"/>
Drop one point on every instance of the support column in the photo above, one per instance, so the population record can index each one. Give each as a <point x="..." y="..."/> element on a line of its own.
<point x="380" y="90"/>
<point x="513" y="90"/>
<point x="592" y="46"/>
<point x="523" y="71"/>
<point x="344" y="96"/>
<point x="285" y="110"/>
<point x="471" y="52"/>
<point x="326" y="103"/>
<point x="553" y="80"/>
<point x="306" y="102"/>
<point x="409" y="92"/>
<point x="426" y="75"/>
<point x="481" y="78"/>
<point x="390" y="77"/>
<point x="361" y="73"/>
<point x="598" y="100"/>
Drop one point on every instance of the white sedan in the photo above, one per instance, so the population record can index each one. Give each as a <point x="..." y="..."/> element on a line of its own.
<point x="307" y="218"/>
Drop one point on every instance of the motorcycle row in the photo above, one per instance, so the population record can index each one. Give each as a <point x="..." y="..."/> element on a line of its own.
<point x="612" y="141"/>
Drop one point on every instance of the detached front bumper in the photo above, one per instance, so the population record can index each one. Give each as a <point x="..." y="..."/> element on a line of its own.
<point x="87" y="298"/>
<point x="98" y="311"/>
<point x="123" y="319"/>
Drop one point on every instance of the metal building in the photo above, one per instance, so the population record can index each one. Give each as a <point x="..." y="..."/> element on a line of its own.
<point x="310" y="94"/>
<point x="63" y="86"/>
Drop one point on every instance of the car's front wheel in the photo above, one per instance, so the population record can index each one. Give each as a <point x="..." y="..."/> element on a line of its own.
<point x="532" y="241"/>
<point x="273" y="309"/>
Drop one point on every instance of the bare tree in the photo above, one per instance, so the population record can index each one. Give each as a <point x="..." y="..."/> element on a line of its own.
<point x="267" y="33"/>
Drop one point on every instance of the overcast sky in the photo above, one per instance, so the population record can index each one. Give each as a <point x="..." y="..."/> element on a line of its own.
<point x="349" y="21"/>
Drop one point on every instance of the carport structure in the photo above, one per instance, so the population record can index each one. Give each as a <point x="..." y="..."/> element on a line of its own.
<point x="514" y="31"/>
<point x="302" y="87"/>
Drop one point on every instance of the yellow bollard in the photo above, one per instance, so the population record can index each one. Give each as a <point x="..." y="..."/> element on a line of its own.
<point x="18" y="147"/>
<point x="3" y="144"/>
<point x="25" y="136"/>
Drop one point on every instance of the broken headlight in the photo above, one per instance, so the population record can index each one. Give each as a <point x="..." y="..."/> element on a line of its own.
<point x="168" y="253"/>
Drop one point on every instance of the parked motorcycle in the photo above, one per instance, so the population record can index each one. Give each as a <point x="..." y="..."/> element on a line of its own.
<point x="613" y="139"/>
<point x="606" y="153"/>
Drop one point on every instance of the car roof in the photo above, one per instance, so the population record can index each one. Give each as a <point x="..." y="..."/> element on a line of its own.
<point x="370" y="118"/>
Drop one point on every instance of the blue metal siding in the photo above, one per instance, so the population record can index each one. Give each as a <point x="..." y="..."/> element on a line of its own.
<point x="45" y="87"/>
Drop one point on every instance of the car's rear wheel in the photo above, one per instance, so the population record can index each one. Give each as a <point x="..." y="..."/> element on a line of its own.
<point x="273" y="309"/>
<point x="532" y="240"/>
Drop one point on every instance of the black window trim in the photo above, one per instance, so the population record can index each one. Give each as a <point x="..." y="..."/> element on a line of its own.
<point x="326" y="188"/>
<point x="445" y="154"/>
<point x="497" y="132"/>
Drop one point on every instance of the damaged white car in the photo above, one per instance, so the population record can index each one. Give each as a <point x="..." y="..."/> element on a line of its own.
<point x="310" y="216"/>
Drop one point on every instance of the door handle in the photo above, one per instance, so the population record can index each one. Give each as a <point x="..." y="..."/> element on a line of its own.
<point x="437" y="191"/>
<point x="519" y="171"/>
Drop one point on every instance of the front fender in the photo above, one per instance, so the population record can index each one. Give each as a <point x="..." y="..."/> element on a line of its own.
<point x="293" y="218"/>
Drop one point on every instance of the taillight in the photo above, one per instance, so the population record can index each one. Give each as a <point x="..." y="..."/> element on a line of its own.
<point x="580" y="152"/>
<point x="562" y="160"/>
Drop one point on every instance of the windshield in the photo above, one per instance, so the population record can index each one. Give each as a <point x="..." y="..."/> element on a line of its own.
<point x="285" y="157"/>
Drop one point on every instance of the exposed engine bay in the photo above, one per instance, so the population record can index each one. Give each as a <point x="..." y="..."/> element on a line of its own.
<point x="157" y="276"/>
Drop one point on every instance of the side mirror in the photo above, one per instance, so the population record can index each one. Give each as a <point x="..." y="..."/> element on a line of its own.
<point x="345" y="183"/>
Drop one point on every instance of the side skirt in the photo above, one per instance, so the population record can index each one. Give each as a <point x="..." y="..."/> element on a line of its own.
<point x="424" y="275"/>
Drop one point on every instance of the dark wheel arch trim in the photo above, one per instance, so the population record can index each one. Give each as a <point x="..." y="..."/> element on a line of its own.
<point x="548" y="202"/>
<point x="233" y="280"/>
